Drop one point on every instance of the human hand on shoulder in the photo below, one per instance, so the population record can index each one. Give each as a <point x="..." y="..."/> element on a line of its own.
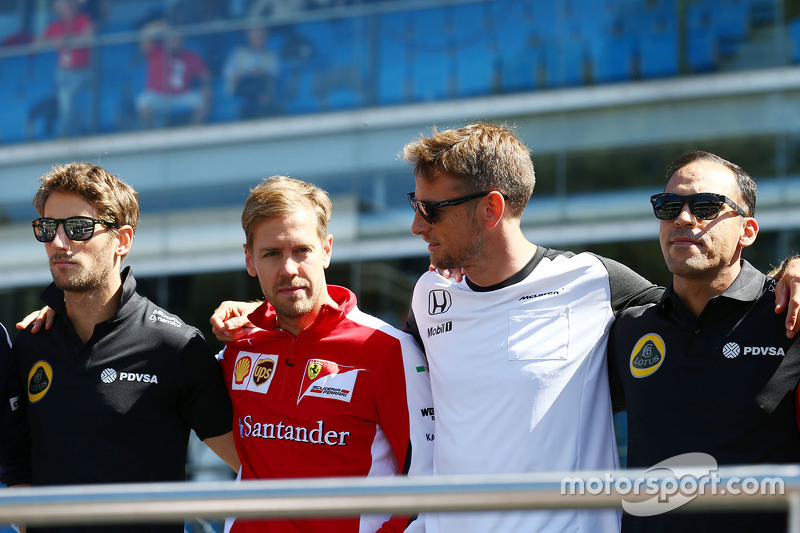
<point x="44" y="317"/>
<point x="229" y="321"/>
<point x="456" y="273"/>
<point x="787" y="293"/>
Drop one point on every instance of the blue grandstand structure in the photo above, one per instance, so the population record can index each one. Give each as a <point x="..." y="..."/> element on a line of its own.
<point x="363" y="54"/>
<point x="604" y="92"/>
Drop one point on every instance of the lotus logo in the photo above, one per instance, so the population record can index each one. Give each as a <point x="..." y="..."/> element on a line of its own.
<point x="439" y="301"/>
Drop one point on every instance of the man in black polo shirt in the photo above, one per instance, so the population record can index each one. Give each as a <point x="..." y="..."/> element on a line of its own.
<point x="14" y="439"/>
<point x="708" y="369"/>
<point x="115" y="386"/>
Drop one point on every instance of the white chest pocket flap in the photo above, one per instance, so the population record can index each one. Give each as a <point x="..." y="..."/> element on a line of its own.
<point x="541" y="334"/>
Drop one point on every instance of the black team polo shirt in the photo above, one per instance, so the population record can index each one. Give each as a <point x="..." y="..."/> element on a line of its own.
<point x="697" y="384"/>
<point x="119" y="409"/>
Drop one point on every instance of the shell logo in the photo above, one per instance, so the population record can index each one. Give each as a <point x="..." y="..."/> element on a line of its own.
<point x="242" y="369"/>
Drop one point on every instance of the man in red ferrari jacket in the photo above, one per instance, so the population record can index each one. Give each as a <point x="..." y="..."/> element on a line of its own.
<point x="319" y="388"/>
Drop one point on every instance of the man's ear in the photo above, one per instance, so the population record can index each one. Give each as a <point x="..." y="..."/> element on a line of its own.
<point x="327" y="250"/>
<point x="495" y="206"/>
<point x="749" y="232"/>
<point x="248" y="261"/>
<point x="124" y="240"/>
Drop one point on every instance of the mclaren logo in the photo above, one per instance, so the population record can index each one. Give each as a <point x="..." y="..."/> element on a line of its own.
<point x="39" y="380"/>
<point x="439" y="301"/>
<point x="647" y="355"/>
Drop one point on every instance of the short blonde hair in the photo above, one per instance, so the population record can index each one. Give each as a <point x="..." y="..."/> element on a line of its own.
<point x="279" y="196"/>
<point x="113" y="199"/>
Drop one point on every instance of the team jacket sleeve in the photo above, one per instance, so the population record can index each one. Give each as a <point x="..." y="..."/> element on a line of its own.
<point x="614" y="379"/>
<point x="405" y="411"/>
<point x="412" y="328"/>
<point x="628" y="288"/>
<point x="15" y="467"/>
<point x="205" y="403"/>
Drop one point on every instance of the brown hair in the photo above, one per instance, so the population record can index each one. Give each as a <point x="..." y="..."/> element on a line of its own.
<point x="747" y="187"/>
<point x="113" y="199"/>
<point x="282" y="196"/>
<point x="483" y="157"/>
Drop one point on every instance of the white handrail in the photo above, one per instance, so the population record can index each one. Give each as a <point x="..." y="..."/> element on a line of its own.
<point x="175" y="502"/>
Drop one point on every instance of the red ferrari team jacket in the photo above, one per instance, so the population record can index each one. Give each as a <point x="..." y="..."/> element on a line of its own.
<point x="349" y="396"/>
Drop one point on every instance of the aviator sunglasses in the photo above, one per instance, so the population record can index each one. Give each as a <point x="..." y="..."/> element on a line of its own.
<point x="76" y="228"/>
<point x="427" y="210"/>
<point x="703" y="205"/>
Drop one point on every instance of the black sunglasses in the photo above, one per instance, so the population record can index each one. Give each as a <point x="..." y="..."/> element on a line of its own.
<point x="703" y="205"/>
<point x="427" y="210"/>
<point x="76" y="228"/>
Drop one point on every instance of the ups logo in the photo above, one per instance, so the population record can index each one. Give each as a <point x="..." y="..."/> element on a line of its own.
<point x="263" y="371"/>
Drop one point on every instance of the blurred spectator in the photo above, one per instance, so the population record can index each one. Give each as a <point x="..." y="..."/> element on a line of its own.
<point x="250" y="73"/>
<point x="96" y="10"/>
<point x="44" y="111"/>
<point x="178" y="81"/>
<point x="23" y="35"/>
<point x="72" y="31"/>
<point x="275" y="8"/>
<point x="197" y="11"/>
<point x="17" y="38"/>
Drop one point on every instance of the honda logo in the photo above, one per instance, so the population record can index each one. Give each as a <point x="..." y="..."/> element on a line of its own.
<point x="439" y="302"/>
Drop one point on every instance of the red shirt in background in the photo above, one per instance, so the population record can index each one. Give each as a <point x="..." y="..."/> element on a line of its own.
<point x="71" y="57"/>
<point x="173" y="74"/>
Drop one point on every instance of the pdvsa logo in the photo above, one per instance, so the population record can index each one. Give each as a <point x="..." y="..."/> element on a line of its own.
<point x="439" y="301"/>
<point x="39" y="380"/>
<point x="732" y="350"/>
<point x="647" y="355"/>
<point x="109" y="375"/>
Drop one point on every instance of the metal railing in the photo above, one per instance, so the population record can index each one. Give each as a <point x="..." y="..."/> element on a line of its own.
<point x="175" y="502"/>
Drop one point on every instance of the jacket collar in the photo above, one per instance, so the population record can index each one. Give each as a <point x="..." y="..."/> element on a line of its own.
<point x="265" y="318"/>
<point x="54" y="297"/>
<point x="747" y="287"/>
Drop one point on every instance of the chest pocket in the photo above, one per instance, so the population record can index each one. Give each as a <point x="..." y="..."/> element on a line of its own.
<point x="539" y="335"/>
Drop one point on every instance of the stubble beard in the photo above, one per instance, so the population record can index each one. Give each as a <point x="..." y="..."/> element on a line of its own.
<point x="85" y="279"/>
<point x="296" y="306"/>
<point x="693" y="266"/>
<point x="462" y="257"/>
